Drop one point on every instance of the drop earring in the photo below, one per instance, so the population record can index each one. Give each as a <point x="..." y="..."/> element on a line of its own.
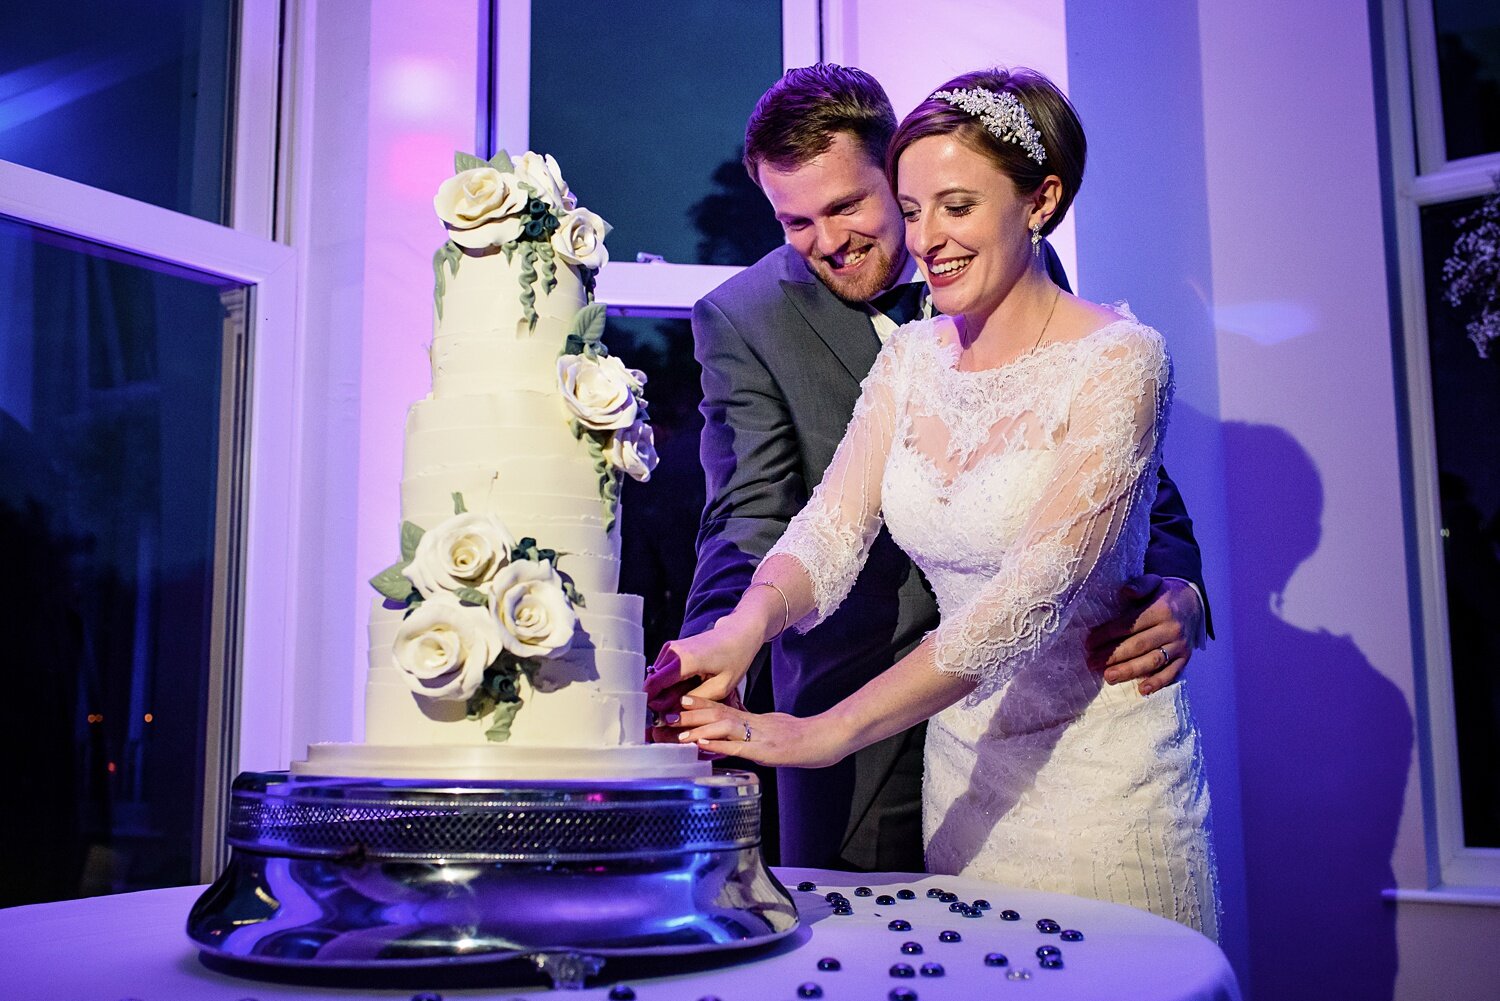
<point x="1036" y="239"/>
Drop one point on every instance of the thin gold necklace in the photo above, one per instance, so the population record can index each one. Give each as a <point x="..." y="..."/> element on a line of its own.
<point x="1056" y="295"/>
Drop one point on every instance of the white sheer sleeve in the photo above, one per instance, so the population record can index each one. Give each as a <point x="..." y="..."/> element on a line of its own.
<point x="1105" y="472"/>
<point x="831" y="536"/>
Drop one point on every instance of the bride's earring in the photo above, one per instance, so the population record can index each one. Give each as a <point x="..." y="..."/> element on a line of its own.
<point x="1036" y="239"/>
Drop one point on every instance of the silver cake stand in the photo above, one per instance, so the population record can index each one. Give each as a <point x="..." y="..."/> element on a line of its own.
<point x="557" y="877"/>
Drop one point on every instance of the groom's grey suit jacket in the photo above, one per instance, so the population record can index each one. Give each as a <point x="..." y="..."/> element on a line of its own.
<point x="782" y="361"/>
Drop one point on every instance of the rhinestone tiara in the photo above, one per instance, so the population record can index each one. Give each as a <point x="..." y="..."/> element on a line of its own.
<point x="1003" y="116"/>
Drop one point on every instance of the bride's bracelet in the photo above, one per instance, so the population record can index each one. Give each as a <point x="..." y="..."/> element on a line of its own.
<point x="786" y="606"/>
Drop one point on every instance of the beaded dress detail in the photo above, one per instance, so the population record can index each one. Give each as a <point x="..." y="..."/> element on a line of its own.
<point x="1024" y="494"/>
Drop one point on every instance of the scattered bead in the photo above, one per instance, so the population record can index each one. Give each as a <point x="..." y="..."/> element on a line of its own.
<point x="807" y="886"/>
<point x="829" y="965"/>
<point x="902" y="970"/>
<point x="1043" y="951"/>
<point x="1072" y="935"/>
<point x="1010" y="915"/>
<point x="948" y="898"/>
<point x="1019" y="973"/>
<point x="833" y="895"/>
<point x="900" y="924"/>
<point x="972" y="912"/>
<point x="902" y="994"/>
<point x="957" y="907"/>
<point x="982" y="904"/>
<point x="809" y="990"/>
<point x="933" y="970"/>
<point x="862" y="891"/>
<point x="996" y="959"/>
<point x="911" y="948"/>
<point x="885" y="900"/>
<point x="710" y="997"/>
<point x="933" y="891"/>
<point x="1048" y="927"/>
<point x="427" y="996"/>
<point x="907" y="894"/>
<point x="1052" y="963"/>
<point x="950" y="936"/>
<point x="619" y="992"/>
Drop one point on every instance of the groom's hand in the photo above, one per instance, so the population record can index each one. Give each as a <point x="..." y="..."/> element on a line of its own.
<point x="1152" y="639"/>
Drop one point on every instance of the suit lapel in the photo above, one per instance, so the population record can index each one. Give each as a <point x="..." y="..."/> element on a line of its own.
<point x="845" y="330"/>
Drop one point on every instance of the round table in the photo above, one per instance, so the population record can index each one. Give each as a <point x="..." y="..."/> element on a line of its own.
<point x="133" y="946"/>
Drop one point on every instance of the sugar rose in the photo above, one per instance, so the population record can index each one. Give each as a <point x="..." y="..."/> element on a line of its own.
<point x="601" y="392"/>
<point x="579" y="239"/>
<point x="465" y="550"/>
<point x="633" y="450"/>
<point x="533" y="612"/>
<point x="443" y="647"/>
<point x="543" y="174"/>
<point x="482" y="207"/>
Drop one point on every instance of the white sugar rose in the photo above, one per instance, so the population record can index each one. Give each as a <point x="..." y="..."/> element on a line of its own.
<point x="466" y="550"/>
<point x="543" y="173"/>
<point x="633" y="450"/>
<point x="482" y="207"/>
<point x="534" y="615"/>
<point x="443" y="647"/>
<point x="601" y="392"/>
<point x="579" y="239"/>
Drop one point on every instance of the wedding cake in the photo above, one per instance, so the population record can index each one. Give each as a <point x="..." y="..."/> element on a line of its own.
<point x="499" y="646"/>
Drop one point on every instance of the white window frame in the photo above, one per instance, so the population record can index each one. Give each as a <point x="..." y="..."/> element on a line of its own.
<point x="658" y="289"/>
<point x="1416" y="130"/>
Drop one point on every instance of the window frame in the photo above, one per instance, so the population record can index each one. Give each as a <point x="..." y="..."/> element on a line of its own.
<point x="658" y="289"/>
<point x="1421" y="175"/>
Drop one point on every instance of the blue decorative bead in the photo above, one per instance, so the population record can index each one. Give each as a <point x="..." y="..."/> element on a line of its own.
<point x="907" y="894"/>
<point x="842" y="912"/>
<point x="710" y="997"/>
<point x="903" y="971"/>
<point x="933" y="891"/>
<point x="948" y="898"/>
<point x="957" y="906"/>
<point x="1043" y="951"/>
<point x="932" y="969"/>
<point x="829" y="965"/>
<point x="911" y="948"/>
<point x="972" y="912"/>
<point x="1072" y="935"/>
<point x="833" y="895"/>
<point x="807" y="886"/>
<point x="809" y="990"/>
<point x="900" y="924"/>
<point x="427" y="996"/>
<point x="996" y="959"/>
<point x="885" y="900"/>
<point x="950" y="936"/>
<point x="1010" y="915"/>
<point x="1048" y="927"/>
<point x="862" y="891"/>
<point x="1052" y="963"/>
<point x="982" y="904"/>
<point x="619" y="992"/>
<point x="902" y="994"/>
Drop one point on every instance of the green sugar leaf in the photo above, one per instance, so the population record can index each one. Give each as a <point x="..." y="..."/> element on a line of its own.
<point x="588" y="324"/>
<point x="500" y="723"/>
<point x="469" y="596"/>
<point x="466" y="161"/>
<point x="411" y="534"/>
<point x="392" y="584"/>
<point x="458" y="503"/>
<point x="501" y="162"/>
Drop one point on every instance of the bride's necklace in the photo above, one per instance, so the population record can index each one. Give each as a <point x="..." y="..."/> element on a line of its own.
<point x="1056" y="295"/>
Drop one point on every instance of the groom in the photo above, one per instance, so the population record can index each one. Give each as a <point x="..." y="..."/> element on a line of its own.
<point x="783" y="346"/>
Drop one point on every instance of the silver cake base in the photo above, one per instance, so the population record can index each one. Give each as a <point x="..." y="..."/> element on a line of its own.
<point x="362" y="873"/>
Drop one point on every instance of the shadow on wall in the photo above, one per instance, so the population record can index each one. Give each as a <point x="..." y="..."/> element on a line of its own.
<point x="1325" y="746"/>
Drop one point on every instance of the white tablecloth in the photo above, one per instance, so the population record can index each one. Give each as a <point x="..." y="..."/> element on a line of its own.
<point x="133" y="946"/>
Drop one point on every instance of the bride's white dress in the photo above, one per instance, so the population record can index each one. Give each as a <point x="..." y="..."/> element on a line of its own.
<point x="1024" y="495"/>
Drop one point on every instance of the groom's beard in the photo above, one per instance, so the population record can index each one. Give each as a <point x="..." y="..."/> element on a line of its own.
<point x="877" y="274"/>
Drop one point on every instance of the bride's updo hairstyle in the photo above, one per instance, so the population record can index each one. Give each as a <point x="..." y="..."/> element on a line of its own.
<point x="1059" y="131"/>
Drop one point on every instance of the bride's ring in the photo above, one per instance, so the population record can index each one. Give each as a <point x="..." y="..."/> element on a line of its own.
<point x="747" y="731"/>
<point x="1166" y="658"/>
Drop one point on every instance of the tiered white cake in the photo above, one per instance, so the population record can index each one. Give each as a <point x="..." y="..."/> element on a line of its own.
<point x="501" y="647"/>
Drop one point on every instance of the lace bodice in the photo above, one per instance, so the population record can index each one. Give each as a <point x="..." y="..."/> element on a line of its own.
<point x="1022" y="492"/>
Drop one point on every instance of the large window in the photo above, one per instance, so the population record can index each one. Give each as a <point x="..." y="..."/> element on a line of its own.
<point x="1446" y="158"/>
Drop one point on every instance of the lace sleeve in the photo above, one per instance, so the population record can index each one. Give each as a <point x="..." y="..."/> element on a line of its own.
<point x="831" y="536"/>
<point x="1105" y="471"/>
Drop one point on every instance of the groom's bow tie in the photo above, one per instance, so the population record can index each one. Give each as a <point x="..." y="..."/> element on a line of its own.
<point x="903" y="303"/>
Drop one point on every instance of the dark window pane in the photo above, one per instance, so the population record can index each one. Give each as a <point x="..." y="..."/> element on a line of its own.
<point x="1468" y="39"/>
<point x="1466" y="405"/>
<point x="110" y="376"/>
<point x="130" y="97"/>
<point x="649" y="137"/>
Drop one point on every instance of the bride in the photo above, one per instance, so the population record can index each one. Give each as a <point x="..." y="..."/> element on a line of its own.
<point x="1011" y="446"/>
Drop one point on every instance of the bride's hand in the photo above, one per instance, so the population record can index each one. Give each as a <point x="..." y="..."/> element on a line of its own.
<point x="770" y="739"/>
<point x="717" y="658"/>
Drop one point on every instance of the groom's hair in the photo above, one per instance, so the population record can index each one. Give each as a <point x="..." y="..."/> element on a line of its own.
<point x="798" y="118"/>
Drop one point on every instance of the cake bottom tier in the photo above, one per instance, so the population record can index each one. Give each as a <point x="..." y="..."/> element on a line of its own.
<point x="500" y="762"/>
